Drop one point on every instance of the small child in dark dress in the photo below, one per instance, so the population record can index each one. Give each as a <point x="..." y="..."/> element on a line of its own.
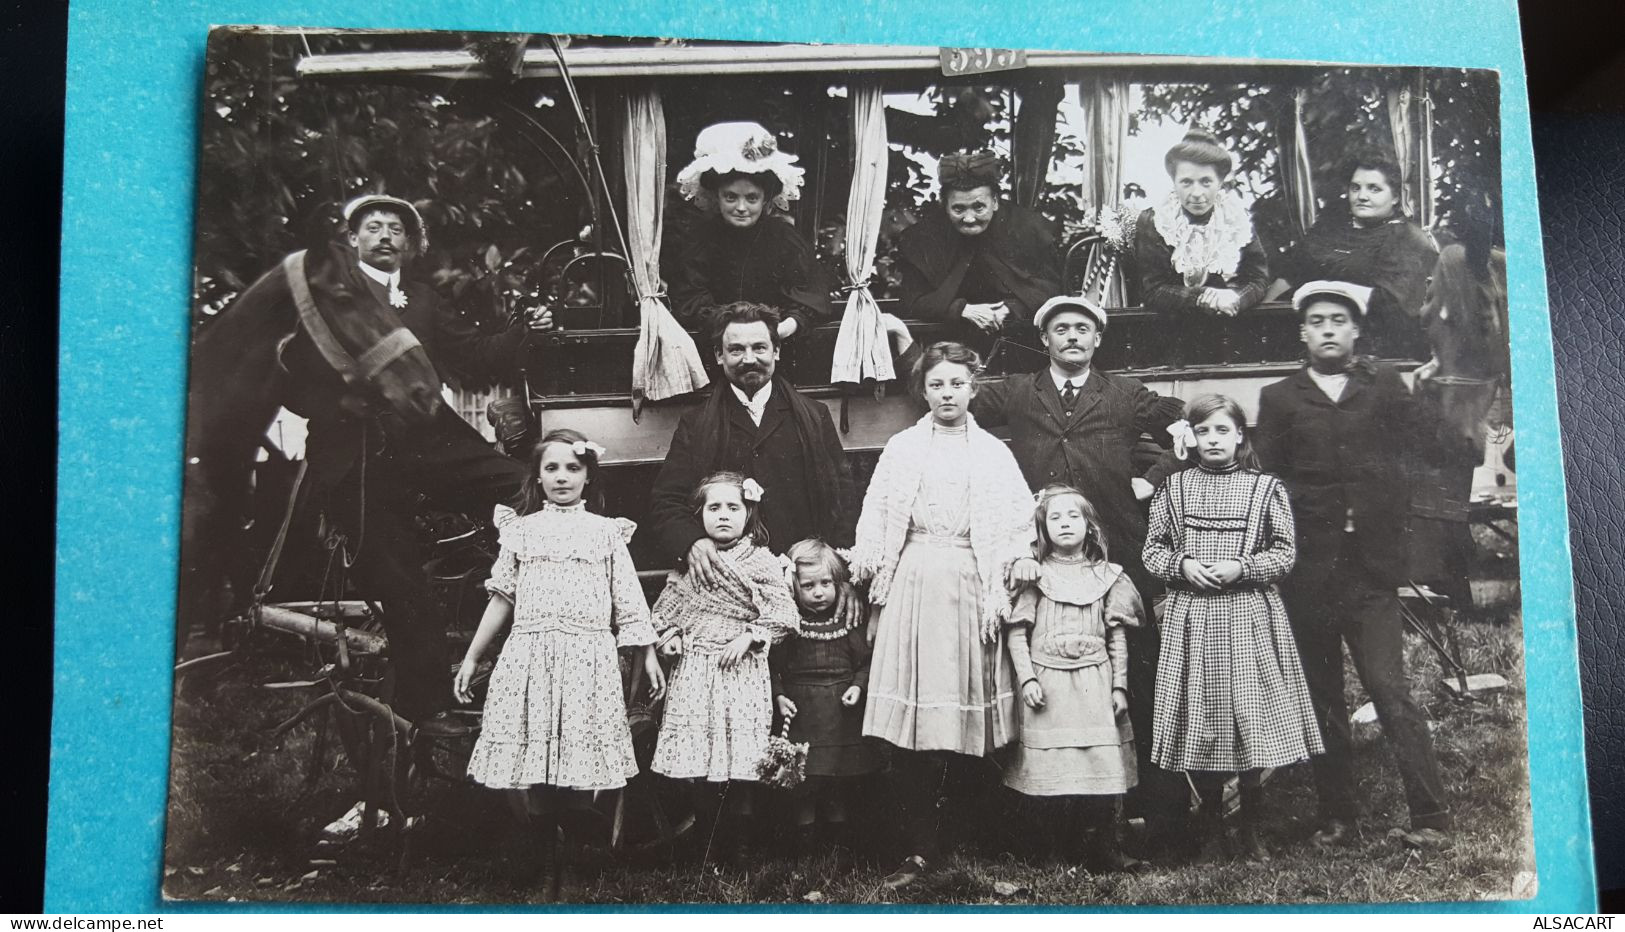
<point x="819" y="679"/>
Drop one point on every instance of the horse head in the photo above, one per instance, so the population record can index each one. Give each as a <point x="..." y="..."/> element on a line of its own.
<point x="364" y="341"/>
<point x="1465" y="318"/>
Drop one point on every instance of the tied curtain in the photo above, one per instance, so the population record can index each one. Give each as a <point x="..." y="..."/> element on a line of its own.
<point x="1414" y="149"/>
<point x="665" y="362"/>
<point x="1297" y="171"/>
<point x="1399" y="122"/>
<point x="1105" y="135"/>
<point x="861" y="349"/>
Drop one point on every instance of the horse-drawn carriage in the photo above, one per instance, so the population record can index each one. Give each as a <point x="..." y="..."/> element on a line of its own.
<point x="583" y="375"/>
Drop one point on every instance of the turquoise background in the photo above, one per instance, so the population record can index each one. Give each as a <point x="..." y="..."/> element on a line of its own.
<point x="134" y="76"/>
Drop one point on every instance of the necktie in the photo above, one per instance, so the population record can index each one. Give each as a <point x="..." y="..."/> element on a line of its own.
<point x="1069" y="396"/>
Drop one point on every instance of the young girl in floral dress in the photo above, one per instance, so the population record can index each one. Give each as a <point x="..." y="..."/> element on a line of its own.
<point x="1231" y="695"/>
<point x="819" y="681"/>
<point x="1067" y="640"/>
<point x="555" y="718"/>
<point x="719" y="713"/>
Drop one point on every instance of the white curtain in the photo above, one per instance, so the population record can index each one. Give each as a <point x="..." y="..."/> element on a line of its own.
<point x="1297" y="171"/>
<point x="665" y="362"/>
<point x="1399" y="121"/>
<point x="1105" y="135"/>
<point x="861" y="349"/>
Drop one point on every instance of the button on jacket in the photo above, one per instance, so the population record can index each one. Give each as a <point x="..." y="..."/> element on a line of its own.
<point x="1091" y="450"/>
<point x="1342" y="462"/>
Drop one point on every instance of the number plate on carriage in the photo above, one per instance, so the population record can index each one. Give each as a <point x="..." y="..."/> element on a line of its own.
<point x="980" y="61"/>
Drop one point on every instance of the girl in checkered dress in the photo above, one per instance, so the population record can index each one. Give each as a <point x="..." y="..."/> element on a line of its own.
<point x="1231" y="696"/>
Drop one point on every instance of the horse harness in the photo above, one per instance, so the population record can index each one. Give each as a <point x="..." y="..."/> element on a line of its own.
<point x="355" y="370"/>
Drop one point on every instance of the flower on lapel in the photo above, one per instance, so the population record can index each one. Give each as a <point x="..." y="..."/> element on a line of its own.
<point x="751" y="490"/>
<point x="397" y="297"/>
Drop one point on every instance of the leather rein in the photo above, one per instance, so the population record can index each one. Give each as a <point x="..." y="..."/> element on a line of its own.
<point x="355" y="370"/>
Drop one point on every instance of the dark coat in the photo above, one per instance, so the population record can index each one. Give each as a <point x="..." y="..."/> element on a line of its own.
<point x="769" y="263"/>
<point x="1091" y="451"/>
<point x="771" y="455"/>
<point x="1342" y="461"/>
<point x="1014" y="260"/>
<point x="1393" y="259"/>
<point x="457" y="347"/>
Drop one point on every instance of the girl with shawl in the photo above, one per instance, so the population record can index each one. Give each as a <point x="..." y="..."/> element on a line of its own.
<point x="743" y="250"/>
<point x="1197" y="253"/>
<point x="719" y="708"/>
<point x="946" y="514"/>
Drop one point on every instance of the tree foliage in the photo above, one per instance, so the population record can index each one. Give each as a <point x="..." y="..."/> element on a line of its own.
<point x="281" y="154"/>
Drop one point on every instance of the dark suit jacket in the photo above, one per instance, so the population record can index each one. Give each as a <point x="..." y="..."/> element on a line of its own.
<point x="456" y="346"/>
<point x="770" y="454"/>
<point x="1342" y="457"/>
<point x="1091" y="451"/>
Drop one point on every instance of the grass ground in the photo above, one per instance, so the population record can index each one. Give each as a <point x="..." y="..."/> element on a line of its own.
<point x="243" y="821"/>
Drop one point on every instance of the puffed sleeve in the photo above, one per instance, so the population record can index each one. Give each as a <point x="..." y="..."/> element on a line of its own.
<point x="1277" y="546"/>
<point x="505" y="571"/>
<point x="1159" y="555"/>
<point x="630" y="618"/>
<point x="1123" y="606"/>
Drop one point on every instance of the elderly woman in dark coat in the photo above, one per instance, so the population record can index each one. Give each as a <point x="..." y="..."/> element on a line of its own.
<point x="1371" y="243"/>
<point x="981" y="262"/>
<point x="744" y="251"/>
<point x="1197" y="254"/>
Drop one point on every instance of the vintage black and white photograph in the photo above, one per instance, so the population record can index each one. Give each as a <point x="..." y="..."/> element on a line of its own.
<point x="660" y="470"/>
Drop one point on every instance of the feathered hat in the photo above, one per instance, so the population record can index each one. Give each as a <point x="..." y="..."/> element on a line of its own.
<point x="747" y="148"/>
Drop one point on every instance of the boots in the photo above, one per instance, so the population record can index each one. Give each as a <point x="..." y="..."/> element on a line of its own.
<point x="1248" y="844"/>
<point x="1211" y="843"/>
<point x="566" y="877"/>
<point x="546" y="877"/>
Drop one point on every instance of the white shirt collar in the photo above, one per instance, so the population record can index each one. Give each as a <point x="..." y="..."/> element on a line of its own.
<point x="757" y="405"/>
<point x="1333" y="385"/>
<point x="1060" y="379"/>
<point x="387" y="279"/>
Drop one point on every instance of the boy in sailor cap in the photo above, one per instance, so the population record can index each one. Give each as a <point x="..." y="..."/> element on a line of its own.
<point x="1336" y="432"/>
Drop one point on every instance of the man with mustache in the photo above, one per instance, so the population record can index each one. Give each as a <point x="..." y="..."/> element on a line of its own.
<point x="756" y="424"/>
<point x="980" y="261"/>
<point x="1336" y="433"/>
<point x="368" y="468"/>
<point x="1072" y="423"/>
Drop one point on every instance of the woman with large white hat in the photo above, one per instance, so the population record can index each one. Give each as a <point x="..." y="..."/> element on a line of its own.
<point x="744" y="251"/>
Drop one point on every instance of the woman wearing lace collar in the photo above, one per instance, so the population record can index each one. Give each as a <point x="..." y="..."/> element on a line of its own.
<point x="1197" y="253"/>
